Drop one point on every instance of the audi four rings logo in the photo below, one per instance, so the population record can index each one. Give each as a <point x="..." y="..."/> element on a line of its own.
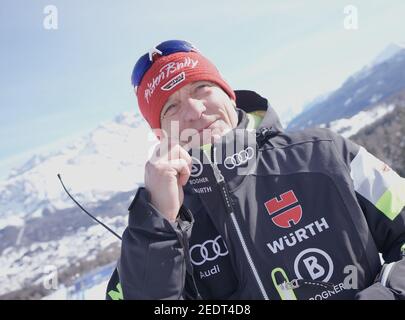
<point x="208" y="251"/>
<point x="239" y="158"/>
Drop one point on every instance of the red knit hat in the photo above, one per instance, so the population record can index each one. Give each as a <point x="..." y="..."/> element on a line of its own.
<point x="170" y="73"/>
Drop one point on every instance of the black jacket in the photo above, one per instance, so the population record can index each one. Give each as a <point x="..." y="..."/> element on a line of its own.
<point x="283" y="215"/>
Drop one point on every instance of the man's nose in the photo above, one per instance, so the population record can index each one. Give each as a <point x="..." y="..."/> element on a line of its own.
<point x="194" y="108"/>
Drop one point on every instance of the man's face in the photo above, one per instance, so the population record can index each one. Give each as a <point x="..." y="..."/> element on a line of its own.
<point x="201" y="111"/>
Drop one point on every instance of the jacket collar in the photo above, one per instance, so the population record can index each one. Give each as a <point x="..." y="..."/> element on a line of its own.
<point x="252" y="102"/>
<point x="236" y="153"/>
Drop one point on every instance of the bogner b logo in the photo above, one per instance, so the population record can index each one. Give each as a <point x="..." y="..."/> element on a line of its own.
<point x="281" y="216"/>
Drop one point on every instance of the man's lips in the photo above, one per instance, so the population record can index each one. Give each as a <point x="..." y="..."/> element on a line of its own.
<point x="201" y="133"/>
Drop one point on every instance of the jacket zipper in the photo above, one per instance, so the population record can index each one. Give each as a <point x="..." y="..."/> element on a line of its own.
<point x="188" y="266"/>
<point x="229" y="208"/>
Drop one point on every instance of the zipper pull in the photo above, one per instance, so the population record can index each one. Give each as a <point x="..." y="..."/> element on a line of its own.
<point x="217" y="173"/>
<point x="284" y="287"/>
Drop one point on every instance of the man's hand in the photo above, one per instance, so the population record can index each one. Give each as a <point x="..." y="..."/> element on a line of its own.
<point x="165" y="175"/>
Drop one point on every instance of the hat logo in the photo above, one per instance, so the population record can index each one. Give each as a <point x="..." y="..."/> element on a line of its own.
<point x="165" y="72"/>
<point x="174" y="82"/>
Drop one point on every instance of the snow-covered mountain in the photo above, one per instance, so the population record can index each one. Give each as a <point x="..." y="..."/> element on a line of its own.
<point x="348" y="127"/>
<point x="370" y="88"/>
<point x="391" y="50"/>
<point x="369" y="108"/>
<point x="28" y="266"/>
<point x="107" y="161"/>
<point x="40" y="225"/>
<point x="385" y="138"/>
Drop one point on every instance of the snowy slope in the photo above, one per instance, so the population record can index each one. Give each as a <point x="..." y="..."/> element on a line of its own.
<point x="348" y="127"/>
<point x="24" y="266"/>
<point x="107" y="161"/>
<point x="40" y="225"/>
<point x="373" y="85"/>
<point x="91" y="286"/>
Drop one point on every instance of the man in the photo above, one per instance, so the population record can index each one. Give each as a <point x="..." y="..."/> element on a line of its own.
<point x="300" y="215"/>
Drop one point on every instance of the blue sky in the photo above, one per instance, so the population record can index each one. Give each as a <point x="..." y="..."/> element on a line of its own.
<point x="56" y="85"/>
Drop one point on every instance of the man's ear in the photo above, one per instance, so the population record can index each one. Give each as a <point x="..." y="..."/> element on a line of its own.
<point x="160" y="133"/>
